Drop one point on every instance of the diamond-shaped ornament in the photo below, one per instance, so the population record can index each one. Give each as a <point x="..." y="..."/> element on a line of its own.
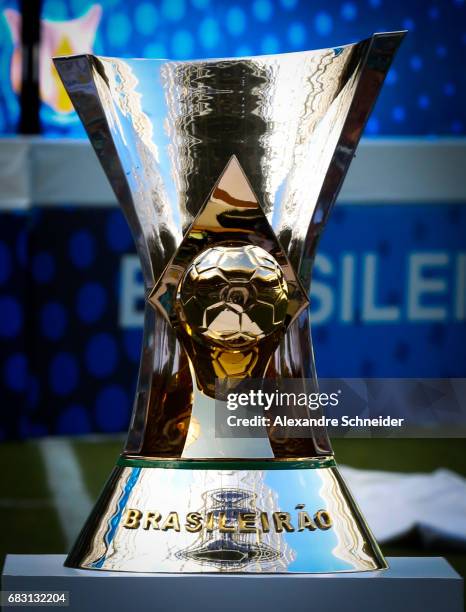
<point x="229" y="290"/>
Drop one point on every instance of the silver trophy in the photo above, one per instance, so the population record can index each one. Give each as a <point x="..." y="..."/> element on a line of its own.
<point x="226" y="170"/>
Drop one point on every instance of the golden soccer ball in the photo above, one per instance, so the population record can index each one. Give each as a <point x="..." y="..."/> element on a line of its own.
<point x="232" y="296"/>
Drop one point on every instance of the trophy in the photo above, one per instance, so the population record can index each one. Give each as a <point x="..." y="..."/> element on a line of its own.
<point x="226" y="170"/>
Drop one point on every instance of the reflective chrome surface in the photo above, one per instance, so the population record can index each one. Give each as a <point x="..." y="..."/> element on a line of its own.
<point x="165" y="130"/>
<point x="226" y="171"/>
<point x="201" y="520"/>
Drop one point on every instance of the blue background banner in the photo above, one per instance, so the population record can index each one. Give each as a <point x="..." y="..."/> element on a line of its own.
<point x="389" y="289"/>
<point x="388" y="300"/>
<point x="424" y="92"/>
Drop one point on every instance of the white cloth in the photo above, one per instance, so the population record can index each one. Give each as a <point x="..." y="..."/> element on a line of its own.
<point x="394" y="504"/>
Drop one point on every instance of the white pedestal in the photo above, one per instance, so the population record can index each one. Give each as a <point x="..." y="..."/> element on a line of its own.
<point x="410" y="585"/>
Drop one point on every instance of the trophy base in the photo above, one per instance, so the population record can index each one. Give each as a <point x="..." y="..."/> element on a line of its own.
<point x="252" y="516"/>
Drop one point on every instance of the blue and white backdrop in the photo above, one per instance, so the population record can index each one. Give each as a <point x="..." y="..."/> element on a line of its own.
<point x="388" y="297"/>
<point x="389" y="290"/>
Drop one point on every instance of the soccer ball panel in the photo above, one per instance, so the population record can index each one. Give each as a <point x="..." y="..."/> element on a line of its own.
<point x="233" y="296"/>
